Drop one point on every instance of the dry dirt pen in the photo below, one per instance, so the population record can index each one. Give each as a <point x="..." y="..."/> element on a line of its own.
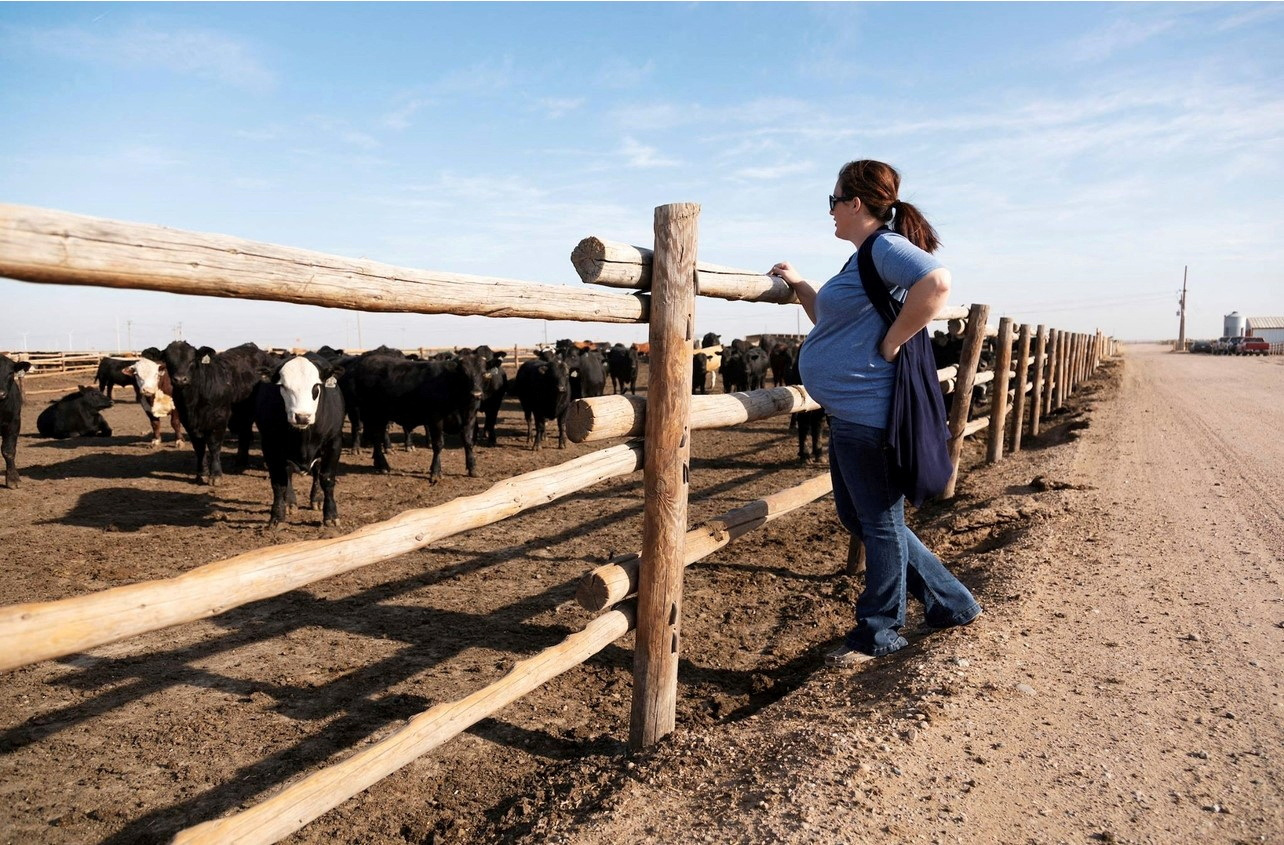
<point x="258" y="709"/>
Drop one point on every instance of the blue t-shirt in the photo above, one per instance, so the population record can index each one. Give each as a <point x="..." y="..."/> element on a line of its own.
<point x="839" y="360"/>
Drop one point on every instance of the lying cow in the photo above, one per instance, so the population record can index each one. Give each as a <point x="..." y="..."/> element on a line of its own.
<point x="77" y="414"/>
<point x="156" y="394"/>
<point x="11" y="415"/>
<point x="112" y="374"/>
<point x="299" y="413"/>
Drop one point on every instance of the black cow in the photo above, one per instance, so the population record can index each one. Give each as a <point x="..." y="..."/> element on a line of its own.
<point x="494" y="386"/>
<point x="623" y="365"/>
<point x="587" y="373"/>
<point x="112" y="374"/>
<point x="299" y="412"/>
<point x="710" y="339"/>
<point x="10" y="415"/>
<point x="743" y="368"/>
<point x="348" y="384"/>
<point x="699" y="372"/>
<point x="214" y="393"/>
<point x="439" y="395"/>
<point x="780" y="357"/>
<point x="808" y="423"/>
<point x="77" y="414"/>
<point x="544" y="390"/>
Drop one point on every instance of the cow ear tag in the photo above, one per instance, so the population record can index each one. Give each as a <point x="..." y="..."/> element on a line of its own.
<point x="205" y="360"/>
<point x="331" y="382"/>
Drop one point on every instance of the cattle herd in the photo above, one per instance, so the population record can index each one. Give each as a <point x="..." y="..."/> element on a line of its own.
<point x="299" y="402"/>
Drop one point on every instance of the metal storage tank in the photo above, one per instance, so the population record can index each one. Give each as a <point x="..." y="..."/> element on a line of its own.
<point x="1233" y="325"/>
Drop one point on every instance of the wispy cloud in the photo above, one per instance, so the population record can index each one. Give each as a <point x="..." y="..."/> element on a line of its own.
<point x="638" y="155"/>
<point x="202" y="53"/>
<point x="555" y="107"/>
<point x="1119" y="35"/>
<point x="769" y="173"/>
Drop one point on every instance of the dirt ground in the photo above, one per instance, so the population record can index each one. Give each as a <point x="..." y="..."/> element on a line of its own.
<point x="1122" y="686"/>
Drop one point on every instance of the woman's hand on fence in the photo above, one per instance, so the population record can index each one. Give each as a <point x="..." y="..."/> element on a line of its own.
<point x="786" y="271"/>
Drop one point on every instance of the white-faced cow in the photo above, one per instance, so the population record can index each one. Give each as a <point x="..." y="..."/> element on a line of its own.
<point x="299" y="413"/>
<point x="214" y="392"/>
<point x="11" y="415"/>
<point x="76" y="415"/>
<point x="156" y="394"/>
<point x="442" y="396"/>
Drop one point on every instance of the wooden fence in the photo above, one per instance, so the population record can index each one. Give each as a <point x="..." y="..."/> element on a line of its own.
<point x="643" y="590"/>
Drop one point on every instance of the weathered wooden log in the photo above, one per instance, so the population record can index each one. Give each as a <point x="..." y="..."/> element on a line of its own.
<point x="619" y="265"/>
<point x="978" y="424"/>
<point x="615" y="581"/>
<point x="999" y="396"/>
<point x="621" y="415"/>
<point x="666" y="476"/>
<point x="969" y="358"/>
<point x="41" y="245"/>
<point x="301" y="802"/>
<point x="1022" y="370"/>
<point x="43" y="630"/>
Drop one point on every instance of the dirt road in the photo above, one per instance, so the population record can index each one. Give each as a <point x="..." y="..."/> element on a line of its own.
<point x="1123" y="686"/>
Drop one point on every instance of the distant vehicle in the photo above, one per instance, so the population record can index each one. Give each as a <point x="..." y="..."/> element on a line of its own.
<point x="1221" y="345"/>
<point x="1232" y="345"/>
<point x="1253" y="346"/>
<point x="1201" y="346"/>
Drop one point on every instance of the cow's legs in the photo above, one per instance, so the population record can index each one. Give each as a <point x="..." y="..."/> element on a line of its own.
<point x="199" y="444"/>
<point x="214" y="455"/>
<point x="178" y="428"/>
<point x="377" y="430"/>
<point x="282" y="492"/>
<point x="9" y="448"/>
<point x="438" y="443"/>
<point x="469" y="436"/>
<point x="561" y="430"/>
<point x="243" y="427"/>
<point x="156" y="438"/>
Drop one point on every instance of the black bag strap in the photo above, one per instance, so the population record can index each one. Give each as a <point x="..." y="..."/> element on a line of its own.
<point x="875" y="287"/>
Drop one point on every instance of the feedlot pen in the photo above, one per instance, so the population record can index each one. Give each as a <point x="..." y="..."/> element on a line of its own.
<point x="147" y="736"/>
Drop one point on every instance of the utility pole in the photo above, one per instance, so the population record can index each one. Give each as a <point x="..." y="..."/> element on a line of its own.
<point x="1181" y="330"/>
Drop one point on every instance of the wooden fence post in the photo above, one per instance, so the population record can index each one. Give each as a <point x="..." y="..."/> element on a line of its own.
<point x="1022" y="373"/>
<point x="1036" y="392"/>
<point x="969" y="357"/>
<point x="1056" y="386"/>
<point x="999" y="397"/>
<point x="665" y="474"/>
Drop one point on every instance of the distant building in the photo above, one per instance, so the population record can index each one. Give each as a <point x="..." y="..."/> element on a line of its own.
<point x="1269" y="329"/>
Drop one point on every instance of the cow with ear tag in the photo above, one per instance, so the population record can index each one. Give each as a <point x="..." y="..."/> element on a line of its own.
<point x="299" y="412"/>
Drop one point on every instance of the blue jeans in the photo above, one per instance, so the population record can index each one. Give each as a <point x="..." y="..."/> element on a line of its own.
<point x="896" y="561"/>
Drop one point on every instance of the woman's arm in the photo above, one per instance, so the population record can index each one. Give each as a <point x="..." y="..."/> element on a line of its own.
<point x="925" y="300"/>
<point x="801" y="287"/>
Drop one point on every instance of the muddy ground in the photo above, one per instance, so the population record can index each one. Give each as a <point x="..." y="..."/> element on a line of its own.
<point x="133" y="741"/>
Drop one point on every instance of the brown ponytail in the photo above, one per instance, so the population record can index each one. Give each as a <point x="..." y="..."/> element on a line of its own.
<point x="878" y="185"/>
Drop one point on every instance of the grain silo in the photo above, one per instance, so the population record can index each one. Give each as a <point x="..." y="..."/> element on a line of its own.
<point x="1233" y="325"/>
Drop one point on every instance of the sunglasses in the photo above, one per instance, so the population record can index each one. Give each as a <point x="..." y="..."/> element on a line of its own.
<point x="834" y="201"/>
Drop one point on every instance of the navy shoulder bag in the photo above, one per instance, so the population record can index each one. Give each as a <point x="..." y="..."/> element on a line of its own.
<point x="917" y="433"/>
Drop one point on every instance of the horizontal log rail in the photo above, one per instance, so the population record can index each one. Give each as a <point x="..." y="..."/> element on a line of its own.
<point x="619" y="265"/>
<point x="296" y="805"/>
<point x="43" y="630"/>
<point x="617" y="580"/>
<point x="54" y="247"/>
<point x="624" y="415"/>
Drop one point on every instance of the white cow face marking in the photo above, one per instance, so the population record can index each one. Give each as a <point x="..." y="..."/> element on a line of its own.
<point x="300" y="382"/>
<point x="147" y="376"/>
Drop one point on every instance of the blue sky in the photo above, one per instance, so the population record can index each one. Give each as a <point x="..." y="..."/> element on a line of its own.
<point x="1074" y="157"/>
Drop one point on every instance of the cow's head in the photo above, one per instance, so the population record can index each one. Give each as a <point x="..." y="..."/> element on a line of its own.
<point x="301" y="380"/>
<point x="146" y="373"/>
<point x="179" y="359"/>
<point x="8" y="371"/>
<point x="93" y="397"/>
<point x="472" y="368"/>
